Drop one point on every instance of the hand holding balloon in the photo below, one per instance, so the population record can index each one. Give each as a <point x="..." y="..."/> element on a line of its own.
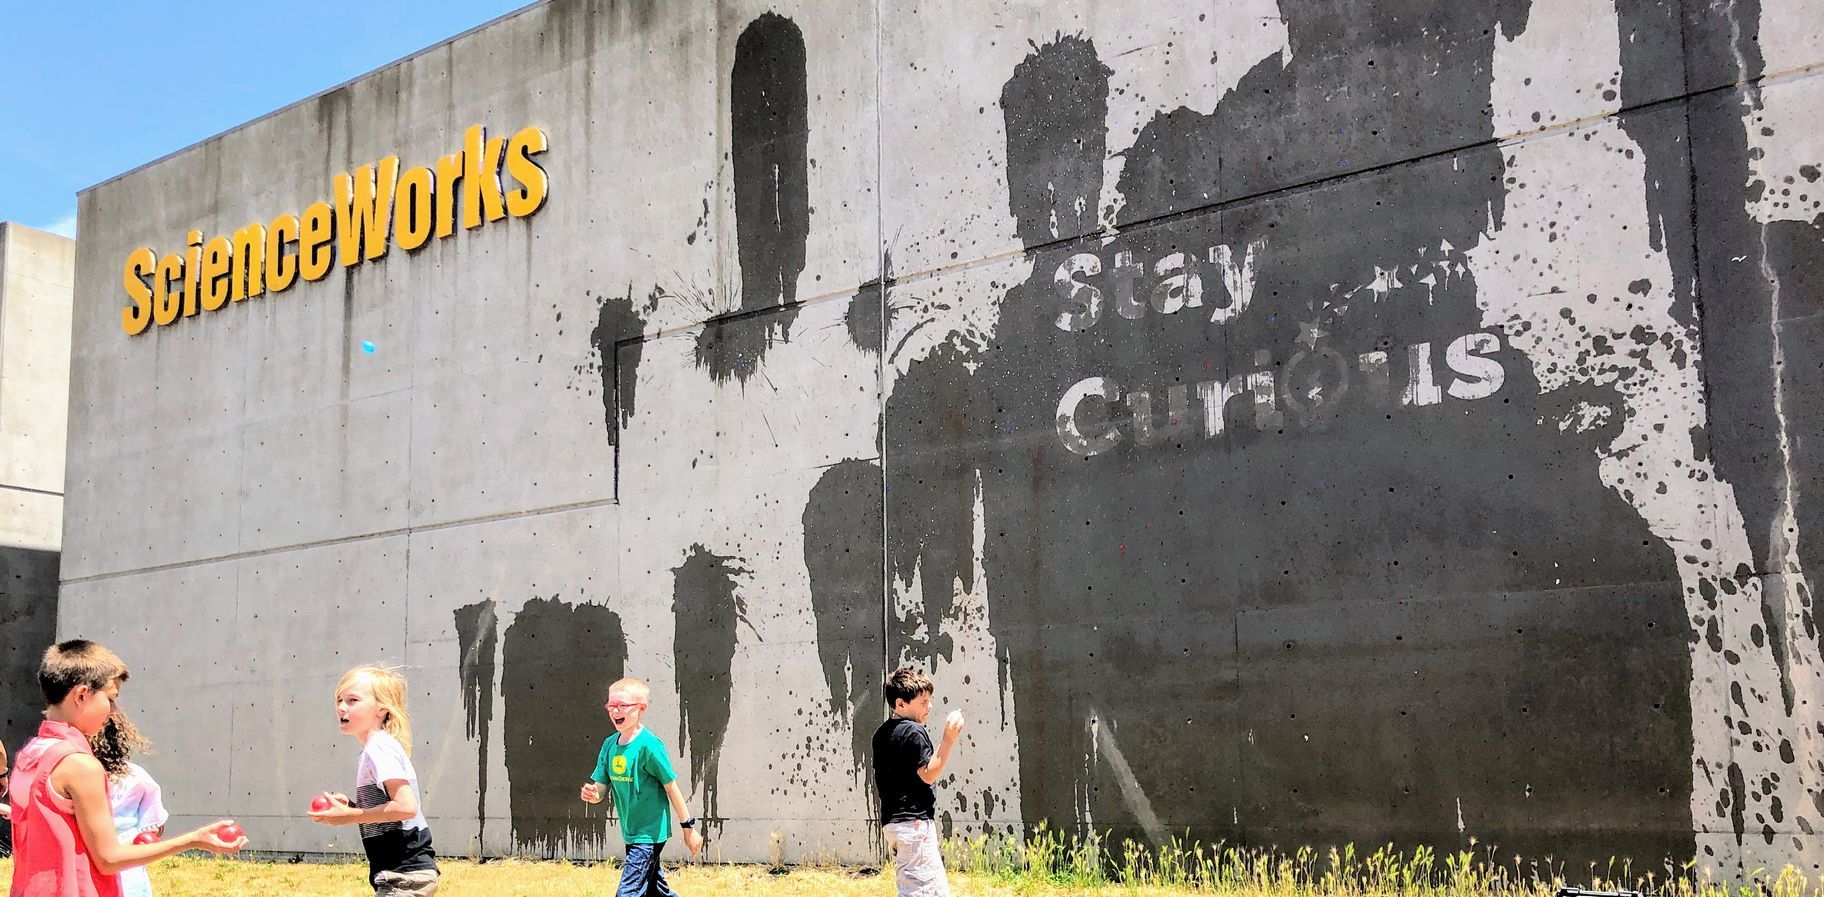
<point x="332" y="808"/>
<point x="953" y="725"/>
<point x="218" y="837"/>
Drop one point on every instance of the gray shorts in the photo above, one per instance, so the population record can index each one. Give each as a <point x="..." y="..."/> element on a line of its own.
<point x="406" y="884"/>
<point x="918" y="859"/>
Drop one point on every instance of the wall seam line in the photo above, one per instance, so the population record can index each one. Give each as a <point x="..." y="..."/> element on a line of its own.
<point x="344" y="540"/>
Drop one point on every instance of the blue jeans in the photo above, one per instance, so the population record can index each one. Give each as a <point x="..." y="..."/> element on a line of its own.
<point x="642" y="876"/>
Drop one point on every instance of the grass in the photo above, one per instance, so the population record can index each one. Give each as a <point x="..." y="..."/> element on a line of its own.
<point x="208" y="877"/>
<point x="1044" y="864"/>
<point x="1049" y="859"/>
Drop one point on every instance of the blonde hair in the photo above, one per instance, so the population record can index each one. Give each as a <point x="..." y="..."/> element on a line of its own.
<point x="388" y="688"/>
<point x="633" y="687"/>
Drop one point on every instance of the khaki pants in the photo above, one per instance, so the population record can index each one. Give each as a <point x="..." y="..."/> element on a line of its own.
<point x="920" y="865"/>
<point x="405" y="884"/>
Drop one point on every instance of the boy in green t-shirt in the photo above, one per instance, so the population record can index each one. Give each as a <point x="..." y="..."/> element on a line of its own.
<point x="633" y="763"/>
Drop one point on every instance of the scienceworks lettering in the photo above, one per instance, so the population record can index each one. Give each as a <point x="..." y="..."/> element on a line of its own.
<point x="371" y="208"/>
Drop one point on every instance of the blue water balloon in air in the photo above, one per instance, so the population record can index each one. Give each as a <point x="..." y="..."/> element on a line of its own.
<point x="367" y="346"/>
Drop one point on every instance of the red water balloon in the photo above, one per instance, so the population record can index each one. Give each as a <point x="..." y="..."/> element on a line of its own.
<point x="320" y="803"/>
<point x="146" y="838"/>
<point x="231" y="832"/>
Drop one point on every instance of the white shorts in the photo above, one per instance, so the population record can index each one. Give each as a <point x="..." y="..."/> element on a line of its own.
<point x="920" y="864"/>
<point x="406" y="884"/>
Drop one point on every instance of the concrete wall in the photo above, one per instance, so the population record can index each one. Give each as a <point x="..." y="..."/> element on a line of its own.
<point x="1291" y="421"/>
<point x="37" y="276"/>
<point x="37" y="281"/>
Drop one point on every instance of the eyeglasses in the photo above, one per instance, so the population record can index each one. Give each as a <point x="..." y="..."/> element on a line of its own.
<point x="614" y="706"/>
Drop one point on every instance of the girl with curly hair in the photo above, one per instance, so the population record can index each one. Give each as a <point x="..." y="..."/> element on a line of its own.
<point x="138" y="807"/>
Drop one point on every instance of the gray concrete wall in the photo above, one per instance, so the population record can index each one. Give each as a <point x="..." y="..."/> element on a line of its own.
<point x="37" y="277"/>
<point x="1293" y="422"/>
<point x="37" y="283"/>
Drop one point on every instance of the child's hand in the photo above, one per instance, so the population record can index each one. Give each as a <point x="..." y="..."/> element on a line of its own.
<point x="693" y="841"/>
<point x="208" y="838"/>
<point x="592" y="792"/>
<point x="339" y="812"/>
<point x="6" y="812"/>
<point x="953" y="725"/>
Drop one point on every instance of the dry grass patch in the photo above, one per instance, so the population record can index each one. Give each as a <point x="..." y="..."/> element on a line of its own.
<point x="1043" y="864"/>
<point x="209" y="877"/>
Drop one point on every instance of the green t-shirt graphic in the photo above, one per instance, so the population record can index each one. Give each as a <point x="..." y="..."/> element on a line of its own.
<point x="637" y="772"/>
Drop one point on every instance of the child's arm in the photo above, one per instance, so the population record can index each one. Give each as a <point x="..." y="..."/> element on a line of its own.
<point x="81" y="777"/>
<point x="693" y="839"/>
<point x="595" y="788"/>
<point x="934" y="768"/>
<point x="402" y="804"/>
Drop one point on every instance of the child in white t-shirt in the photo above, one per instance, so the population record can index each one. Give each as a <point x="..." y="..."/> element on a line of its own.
<point x="370" y="705"/>
<point x="138" y="804"/>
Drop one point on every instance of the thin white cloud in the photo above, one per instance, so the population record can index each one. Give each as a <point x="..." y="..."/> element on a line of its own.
<point x="65" y="226"/>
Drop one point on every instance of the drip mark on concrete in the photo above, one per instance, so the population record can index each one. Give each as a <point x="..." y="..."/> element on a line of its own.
<point x="844" y="556"/>
<point x="769" y="127"/>
<point x="707" y="609"/>
<point x="617" y="320"/>
<point x="477" y="636"/>
<point x="550" y="743"/>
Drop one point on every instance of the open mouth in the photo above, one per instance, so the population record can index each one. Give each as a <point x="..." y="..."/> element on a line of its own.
<point x="618" y="719"/>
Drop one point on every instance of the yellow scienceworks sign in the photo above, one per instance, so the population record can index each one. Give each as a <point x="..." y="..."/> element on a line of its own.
<point x="375" y="206"/>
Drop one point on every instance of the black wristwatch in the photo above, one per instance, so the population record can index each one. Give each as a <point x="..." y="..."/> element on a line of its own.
<point x="688" y="823"/>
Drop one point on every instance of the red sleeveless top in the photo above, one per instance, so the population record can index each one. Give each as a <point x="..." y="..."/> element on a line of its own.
<point x="49" y="856"/>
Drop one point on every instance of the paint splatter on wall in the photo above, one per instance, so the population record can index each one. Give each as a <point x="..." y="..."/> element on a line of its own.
<point x="1251" y="442"/>
<point x="769" y="127"/>
<point x="1280" y="382"/>
<point x="477" y="633"/>
<point x="555" y="658"/>
<point x="709" y="613"/>
<point x="843" y="554"/>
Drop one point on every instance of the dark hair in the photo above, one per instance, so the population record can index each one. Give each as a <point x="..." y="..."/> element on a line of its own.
<point x="117" y="742"/>
<point x="906" y="684"/>
<point x="67" y="665"/>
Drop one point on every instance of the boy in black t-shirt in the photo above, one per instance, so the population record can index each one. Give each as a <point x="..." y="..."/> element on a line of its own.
<point x="905" y="768"/>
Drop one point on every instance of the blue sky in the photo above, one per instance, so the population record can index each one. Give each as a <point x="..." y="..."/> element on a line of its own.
<point x="92" y="88"/>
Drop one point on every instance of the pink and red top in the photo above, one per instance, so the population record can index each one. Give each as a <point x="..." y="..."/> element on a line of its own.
<point x="49" y="856"/>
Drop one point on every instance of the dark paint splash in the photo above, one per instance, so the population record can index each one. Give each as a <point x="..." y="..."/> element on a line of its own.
<point x="869" y="317"/>
<point x="1201" y="571"/>
<point x="1651" y="45"/>
<point x="708" y="611"/>
<point x="770" y="132"/>
<point x="557" y="661"/>
<point x="477" y="637"/>
<point x="618" y="320"/>
<point x="1054" y="159"/>
<point x="844" y="556"/>
<point x="933" y="422"/>
<point x="1740" y="261"/>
